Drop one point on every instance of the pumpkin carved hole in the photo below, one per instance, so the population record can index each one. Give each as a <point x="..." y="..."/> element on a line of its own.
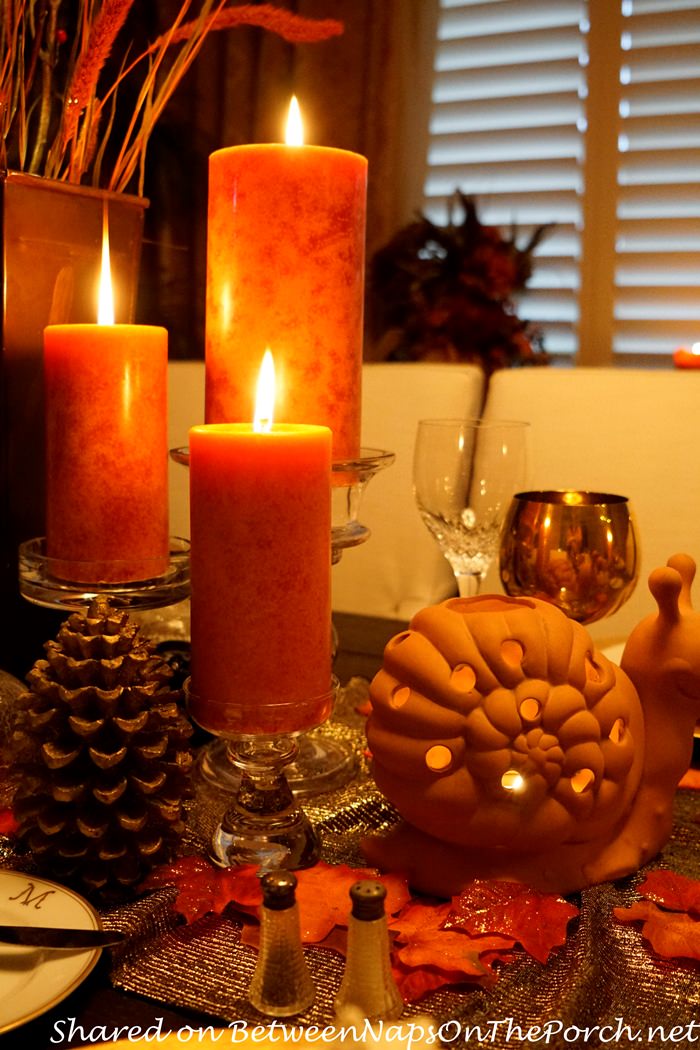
<point x="582" y="780"/>
<point x="463" y="677"/>
<point x="438" y="758"/>
<point x="617" y="733"/>
<point x="593" y="672"/>
<point x="400" y="696"/>
<point x="512" y="780"/>
<point x="530" y="709"/>
<point x="512" y="652"/>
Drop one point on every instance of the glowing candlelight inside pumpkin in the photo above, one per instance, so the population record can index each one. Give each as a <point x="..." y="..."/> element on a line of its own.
<point x="512" y="780"/>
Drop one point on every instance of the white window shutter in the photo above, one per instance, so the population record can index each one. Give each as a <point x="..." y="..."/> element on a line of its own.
<point x="585" y="113"/>
<point x="657" y="274"/>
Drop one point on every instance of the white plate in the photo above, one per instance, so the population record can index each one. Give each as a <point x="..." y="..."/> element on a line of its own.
<point x="32" y="980"/>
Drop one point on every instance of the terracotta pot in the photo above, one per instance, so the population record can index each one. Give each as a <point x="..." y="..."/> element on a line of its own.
<point x="50" y="265"/>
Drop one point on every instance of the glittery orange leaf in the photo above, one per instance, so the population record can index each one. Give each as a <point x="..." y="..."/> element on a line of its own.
<point x="322" y="892"/>
<point x="673" y="935"/>
<point x="537" y="921"/>
<point x="195" y="879"/>
<point x="8" y="824"/>
<point x="673" y="891"/>
<point x="427" y="956"/>
<point x="414" y="983"/>
<point x="451" y="950"/>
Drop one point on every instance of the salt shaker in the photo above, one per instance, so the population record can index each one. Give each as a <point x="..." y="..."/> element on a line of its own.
<point x="368" y="982"/>
<point x="281" y="984"/>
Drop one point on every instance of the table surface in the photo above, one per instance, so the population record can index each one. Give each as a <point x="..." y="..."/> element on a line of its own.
<point x="97" y="1011"/>
<point x="96" y="1008"/>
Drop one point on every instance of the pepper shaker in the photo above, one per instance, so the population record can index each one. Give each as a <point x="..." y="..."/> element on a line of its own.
<point x="281" y="984"/>
<point x="368" y="982"/>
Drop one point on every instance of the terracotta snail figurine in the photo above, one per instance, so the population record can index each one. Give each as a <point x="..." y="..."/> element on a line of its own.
<point x="513" y="749"/>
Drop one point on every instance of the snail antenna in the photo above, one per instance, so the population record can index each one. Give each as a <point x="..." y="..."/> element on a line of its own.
<point x="665" y="585"/>
<point x="685" y="567"/>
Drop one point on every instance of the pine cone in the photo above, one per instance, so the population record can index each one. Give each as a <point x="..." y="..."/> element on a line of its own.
<point x="102" y="752"/>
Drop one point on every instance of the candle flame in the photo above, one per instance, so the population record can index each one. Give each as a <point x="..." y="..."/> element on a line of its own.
<point x="695" y="349"/>
<point x="295" y="129"/>
<point x="105" y="301"/>
<point x="265" y="399"/>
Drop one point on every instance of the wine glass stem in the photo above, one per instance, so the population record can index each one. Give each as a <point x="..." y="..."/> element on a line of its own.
<point x="469" y="584"/>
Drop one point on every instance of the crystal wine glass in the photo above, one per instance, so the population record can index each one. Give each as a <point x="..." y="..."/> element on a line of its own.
<point x="578" y="550"/>
<point x="465" y="472"/>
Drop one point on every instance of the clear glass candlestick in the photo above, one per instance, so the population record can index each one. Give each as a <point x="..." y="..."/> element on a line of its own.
<point x="40" y="585"/>
<point x="322" y="763"/>
<point x="263" y="823"/>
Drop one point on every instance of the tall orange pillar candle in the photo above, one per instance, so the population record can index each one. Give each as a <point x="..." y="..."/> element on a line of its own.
<point x="285" y="269"/>
<point x="260" y="562"/>
<point x="106" y="450"/>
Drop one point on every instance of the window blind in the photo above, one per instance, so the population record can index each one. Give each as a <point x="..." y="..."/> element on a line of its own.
<point x="584" y="113"/>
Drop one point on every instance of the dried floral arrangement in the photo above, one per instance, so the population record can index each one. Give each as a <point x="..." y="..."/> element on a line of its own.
<point x="58" y="98"/>
<point x="446" y="293"/>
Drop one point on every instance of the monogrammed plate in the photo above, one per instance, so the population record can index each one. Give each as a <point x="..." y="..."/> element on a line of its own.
<point x="32" y="980"/>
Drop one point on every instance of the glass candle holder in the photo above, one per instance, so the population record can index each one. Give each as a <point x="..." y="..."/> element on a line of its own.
<point x="40" y="584"/>
<point x="263" y="824"/>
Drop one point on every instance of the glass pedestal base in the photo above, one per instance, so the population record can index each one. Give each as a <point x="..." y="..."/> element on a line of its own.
<point x="321" y="764"/>
<point x="38" y="584"/>
<point x="263" y="825"/>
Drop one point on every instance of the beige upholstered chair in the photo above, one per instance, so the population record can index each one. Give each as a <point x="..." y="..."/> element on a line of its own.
<point x="635" y="432"/>
<point x="185" y="410"/>
<point x="400" y="568"/>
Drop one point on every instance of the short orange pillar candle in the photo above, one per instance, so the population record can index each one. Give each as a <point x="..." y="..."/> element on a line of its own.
<point x="106" y="451"/>
<point x="260" y="563"/>
<point x="285" y="269"/>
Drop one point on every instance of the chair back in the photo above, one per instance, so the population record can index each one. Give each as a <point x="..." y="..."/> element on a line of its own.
<point x="185" y="410"/>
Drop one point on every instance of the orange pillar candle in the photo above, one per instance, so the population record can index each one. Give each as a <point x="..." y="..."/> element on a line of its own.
<point x="285" y="268"/>
<point x="106" y="451"/>
<point x="260" y="562"/>
<point x="106" y="446"/>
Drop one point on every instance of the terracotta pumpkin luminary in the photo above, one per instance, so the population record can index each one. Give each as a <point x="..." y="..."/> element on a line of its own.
<point x="513" y="749"/>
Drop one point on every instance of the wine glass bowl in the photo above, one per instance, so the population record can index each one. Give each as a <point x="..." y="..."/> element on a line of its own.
<point x="465" y="472"/>
<point x="578" y="550"/>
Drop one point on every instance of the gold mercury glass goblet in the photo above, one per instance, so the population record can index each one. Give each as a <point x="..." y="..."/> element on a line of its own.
<point x="578" y="550"/>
